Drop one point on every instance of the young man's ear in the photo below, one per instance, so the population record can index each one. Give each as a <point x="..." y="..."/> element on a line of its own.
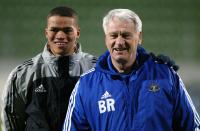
<point x="78" y="32"/>
<point x="45" y="32"/>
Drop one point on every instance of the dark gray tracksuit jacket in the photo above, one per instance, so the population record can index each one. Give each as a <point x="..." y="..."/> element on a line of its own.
<point x="36" y="93"/>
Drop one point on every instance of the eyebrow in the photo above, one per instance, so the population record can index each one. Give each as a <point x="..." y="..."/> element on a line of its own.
<point x="121" y="33"/>
<point x="60" y="28"/>
<point x="65" y="29"/>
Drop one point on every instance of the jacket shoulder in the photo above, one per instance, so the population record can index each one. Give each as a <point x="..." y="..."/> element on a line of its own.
<point x="161" y="71"/>
<point x="88" y="73"/>
<point x="27" y="65"/>
<point x="88" y="57"/>
<point x="157" y="64"/>
<point x="83" y="62"/>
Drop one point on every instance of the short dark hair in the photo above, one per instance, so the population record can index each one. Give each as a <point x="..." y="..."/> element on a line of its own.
<point x="63" y="11"/>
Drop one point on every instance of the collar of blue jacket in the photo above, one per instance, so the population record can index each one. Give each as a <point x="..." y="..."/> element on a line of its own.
<point x="104" y="63"/>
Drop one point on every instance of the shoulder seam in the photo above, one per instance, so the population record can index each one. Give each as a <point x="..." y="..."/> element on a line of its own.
<point x="87" y="72"/>
<point x="25" y="64"/>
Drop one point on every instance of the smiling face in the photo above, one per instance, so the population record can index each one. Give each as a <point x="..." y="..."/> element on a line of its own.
<point x="62" y="33"/>
<point x="122" y="40"/>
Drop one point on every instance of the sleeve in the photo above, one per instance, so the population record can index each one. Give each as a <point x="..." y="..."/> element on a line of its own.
<point x="186" y="117"/>
<point x="12" y="104"/>
<point x="75" y="119"/>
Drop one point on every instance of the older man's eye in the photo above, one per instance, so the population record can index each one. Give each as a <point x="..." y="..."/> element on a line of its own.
<point x="113" y="36"/>
<point x="127" y="36"/>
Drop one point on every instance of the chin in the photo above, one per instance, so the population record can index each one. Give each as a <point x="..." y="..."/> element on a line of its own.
<point x="120" y="60"/>
<point x="60" y="53"/>
<point x="119" y="57"/>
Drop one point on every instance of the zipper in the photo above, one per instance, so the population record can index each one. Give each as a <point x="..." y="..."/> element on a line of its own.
<point x="127" y="102"/>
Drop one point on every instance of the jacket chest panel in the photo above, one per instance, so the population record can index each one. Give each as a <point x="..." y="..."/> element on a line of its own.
<point x="132" y="104"/>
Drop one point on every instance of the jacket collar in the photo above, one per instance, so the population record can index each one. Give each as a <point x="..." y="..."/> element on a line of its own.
<point x="104" y="63"/>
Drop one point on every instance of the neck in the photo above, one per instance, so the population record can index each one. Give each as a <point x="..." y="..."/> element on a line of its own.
<point x="123" y="69"/>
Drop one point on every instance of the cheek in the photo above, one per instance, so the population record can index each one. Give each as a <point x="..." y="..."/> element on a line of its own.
<point x="109" y="42"/>
<point x="108" y="45"/>
<point x="72" y="38"/>
<point x="50" y="36"/>
<point x="106" y="42"/>
<point x="135" y="43"/>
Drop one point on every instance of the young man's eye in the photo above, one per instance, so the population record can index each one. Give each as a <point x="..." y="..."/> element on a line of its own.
<point x="67" y="30"/>
<point x="54" y="30"/>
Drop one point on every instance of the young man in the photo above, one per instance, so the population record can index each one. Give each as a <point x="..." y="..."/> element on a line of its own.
<point x="127" y="90"/>
<point x="36" y="91"/>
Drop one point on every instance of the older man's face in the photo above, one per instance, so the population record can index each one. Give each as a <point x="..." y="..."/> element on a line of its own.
<point x="122" y="40"/>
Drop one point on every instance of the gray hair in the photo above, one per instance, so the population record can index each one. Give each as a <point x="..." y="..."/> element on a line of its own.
<point x="123" y="14"/>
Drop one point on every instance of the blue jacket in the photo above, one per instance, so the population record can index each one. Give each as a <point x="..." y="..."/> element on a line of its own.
<point x="151" y="98"/>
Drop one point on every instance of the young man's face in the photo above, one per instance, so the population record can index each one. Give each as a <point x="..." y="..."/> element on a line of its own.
<point x="61" y="33"/>
<point x="122" y="40"/>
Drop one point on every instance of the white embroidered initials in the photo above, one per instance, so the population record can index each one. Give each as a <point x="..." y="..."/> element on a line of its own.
<point x="106" y="104"/>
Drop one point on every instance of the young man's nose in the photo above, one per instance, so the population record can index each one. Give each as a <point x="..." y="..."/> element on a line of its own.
<point x="60" y="34"/>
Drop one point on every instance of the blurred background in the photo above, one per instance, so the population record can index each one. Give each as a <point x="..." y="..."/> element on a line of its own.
<point x="169" y="27"/>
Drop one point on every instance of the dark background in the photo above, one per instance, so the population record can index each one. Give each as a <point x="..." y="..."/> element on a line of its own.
<point x="169" y="26"/>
